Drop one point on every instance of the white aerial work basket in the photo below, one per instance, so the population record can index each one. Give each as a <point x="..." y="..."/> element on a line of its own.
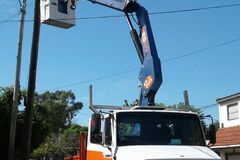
<point x="59" y="13"/>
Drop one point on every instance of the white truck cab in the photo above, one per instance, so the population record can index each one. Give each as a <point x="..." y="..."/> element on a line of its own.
<point x="147" y="134"/>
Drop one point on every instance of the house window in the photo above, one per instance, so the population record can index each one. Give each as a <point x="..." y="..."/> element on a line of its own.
<point x="233" y="112"/>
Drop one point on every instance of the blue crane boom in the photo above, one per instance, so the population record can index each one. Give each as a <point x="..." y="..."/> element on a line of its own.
<point x="150" y="73"/>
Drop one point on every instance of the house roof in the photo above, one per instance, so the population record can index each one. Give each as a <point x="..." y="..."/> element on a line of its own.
<point x="228" y="136"/>
<point x="227" y="98"/>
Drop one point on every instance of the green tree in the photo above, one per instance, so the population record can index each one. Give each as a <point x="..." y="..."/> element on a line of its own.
<point x="70" y="138"/>
<point x="6" y="100"/>
<point x="52" y="111"/>
<point x="61" y="108"/>
<point x="62" y="144"/>
<point x="6" y="95"/>
<point x="183" y="107"/>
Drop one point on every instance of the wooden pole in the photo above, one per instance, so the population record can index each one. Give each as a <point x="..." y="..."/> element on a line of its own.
<point x="26" y="143"/>
<point x="186" y="99"/>
<point x="17" y="84"/>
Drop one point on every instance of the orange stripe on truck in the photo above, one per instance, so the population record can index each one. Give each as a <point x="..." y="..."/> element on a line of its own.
<point x="95" y="155"/>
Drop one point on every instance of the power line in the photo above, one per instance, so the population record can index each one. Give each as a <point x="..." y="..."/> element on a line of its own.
<point x="94" y="79"/>
<point x="196" y="9"/>
<point x="202" y="50"/>
<point x="135" y="69"/>
<point x="208" y="106"/>
<point x="150" y="13"/>
<point x="3" y="23"/>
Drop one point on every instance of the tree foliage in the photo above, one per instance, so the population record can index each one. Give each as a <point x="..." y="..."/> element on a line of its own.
<point x="60" y="107"/>
<point x="5" y="114"/>
<point x="60" y="144"/>
<point x="181" y="106"/>
<point x="53" y="112"/>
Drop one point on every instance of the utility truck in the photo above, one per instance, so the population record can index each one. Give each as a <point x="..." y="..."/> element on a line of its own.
<point x="144" y="132"/>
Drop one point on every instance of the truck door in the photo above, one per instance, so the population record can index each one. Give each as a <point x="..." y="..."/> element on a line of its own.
<point x="100" y="139"/>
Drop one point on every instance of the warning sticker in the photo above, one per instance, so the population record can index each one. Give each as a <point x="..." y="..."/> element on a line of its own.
<point x="144" y="39"/>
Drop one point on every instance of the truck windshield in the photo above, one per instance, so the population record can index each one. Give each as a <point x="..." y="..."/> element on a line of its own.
<point x="158" y="128"/>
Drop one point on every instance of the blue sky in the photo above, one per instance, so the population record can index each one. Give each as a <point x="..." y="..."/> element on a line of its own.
<point x="101" y="47"/>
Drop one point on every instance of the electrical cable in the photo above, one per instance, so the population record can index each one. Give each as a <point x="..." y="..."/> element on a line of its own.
<point x="150" y="13"/>
<point x="135" y="69"/>
<point x="3" y="23"/>
<point x="202" y="50"/>
<point x="208" y="106"/>
<point x="92" y="80"/>
<point x="196" y="9"/>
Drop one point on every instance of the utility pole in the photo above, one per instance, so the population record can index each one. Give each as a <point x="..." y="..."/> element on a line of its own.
<point x="17" y="83"/>
<point x="186" y="99"/>
<point x="26" y="143"/>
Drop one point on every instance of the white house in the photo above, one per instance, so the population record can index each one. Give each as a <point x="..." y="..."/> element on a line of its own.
<point x="228" y="135"/>
<point x="229" y="110"/>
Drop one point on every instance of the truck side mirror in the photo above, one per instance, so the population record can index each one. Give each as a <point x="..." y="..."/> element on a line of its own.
<point x="107" y="132"/>
<point x="96" y="135"/>
<point x="212" y="134"/>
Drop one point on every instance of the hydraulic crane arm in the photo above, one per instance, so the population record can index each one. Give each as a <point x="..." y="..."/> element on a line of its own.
<point x="150" y="73"/>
